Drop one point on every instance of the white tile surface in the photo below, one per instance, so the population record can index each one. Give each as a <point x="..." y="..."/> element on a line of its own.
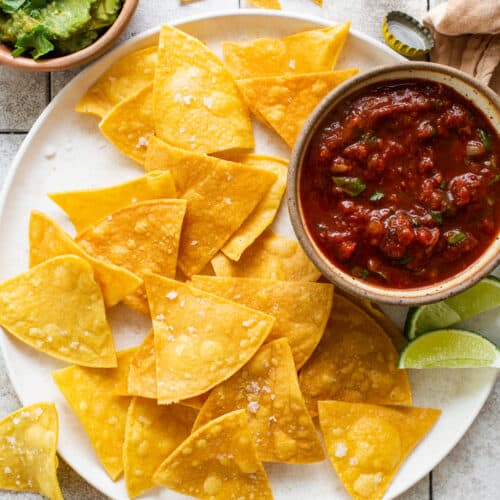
<point x="471" y="471"/>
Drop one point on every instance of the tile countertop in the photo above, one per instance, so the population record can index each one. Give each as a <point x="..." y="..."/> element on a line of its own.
<point x="471" y="470"/>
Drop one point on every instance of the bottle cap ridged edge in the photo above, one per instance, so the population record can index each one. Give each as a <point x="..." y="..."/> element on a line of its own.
<point x="402" y="47"/>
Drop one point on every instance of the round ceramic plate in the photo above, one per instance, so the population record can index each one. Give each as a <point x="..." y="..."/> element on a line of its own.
<point x="85" y="159"/>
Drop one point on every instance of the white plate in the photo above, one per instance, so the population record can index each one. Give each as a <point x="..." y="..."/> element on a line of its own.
<point x="85" y="159"/>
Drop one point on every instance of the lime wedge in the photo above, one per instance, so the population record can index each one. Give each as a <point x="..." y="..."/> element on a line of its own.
<point x="450" y="348"/>
<point x="483" y="296"/>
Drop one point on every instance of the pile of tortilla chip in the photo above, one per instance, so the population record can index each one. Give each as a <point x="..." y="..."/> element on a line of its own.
<point x="246" y="348"/>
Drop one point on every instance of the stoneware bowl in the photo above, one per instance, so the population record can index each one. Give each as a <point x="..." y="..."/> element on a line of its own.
<point x="480" y="95"/>
<point x="103" y="43"/>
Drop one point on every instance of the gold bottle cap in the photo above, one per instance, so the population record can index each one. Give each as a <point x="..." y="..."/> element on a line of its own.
<point x="406" y="35"/>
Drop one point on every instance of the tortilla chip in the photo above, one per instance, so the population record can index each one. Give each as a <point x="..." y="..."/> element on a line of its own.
<point x="200" y="339"/>
<point x="197" y="105"/>
<point x="216" y="462"/>
<point x="301" y="309"/>
<point x="218" y="196"/>
<point x="305" y="52"/>
<point x="265" y="212"/>
<point x="368" y="443"/>
<point x="270" y="257"/>
<point x="142" y="374"/>
<point x="92" y="394"/>
<point x="355" y="361"/>
<point x="28" y="444"/>
<point x="86" y="207"/>
<point x="266" y="4"/>
<point x="123" y="79"/>
<point x="284" y="103"/>
<point x="268" y="389"/>
<point x="142" y="238"/>
<point x="395" y="334"/>
<point x="151" y="434"/>
<point x="129" y="125"/>
<point x="57" y="308"/>
<point x="48" y="240"/>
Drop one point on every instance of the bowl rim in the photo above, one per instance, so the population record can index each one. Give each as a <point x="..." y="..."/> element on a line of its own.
<point x="452" y="285"/>
<point x="103" y="43"/>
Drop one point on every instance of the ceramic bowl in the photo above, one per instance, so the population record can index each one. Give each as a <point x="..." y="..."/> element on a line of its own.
<point x="93" y="51"/>
<point x="480" y="95"/>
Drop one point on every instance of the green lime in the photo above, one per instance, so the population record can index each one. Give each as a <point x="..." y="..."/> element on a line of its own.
<point x="449" y="348"/>
<point x="483" y="296"/>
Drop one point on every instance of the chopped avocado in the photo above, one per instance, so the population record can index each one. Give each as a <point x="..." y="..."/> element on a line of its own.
<point x="54" y="26"/>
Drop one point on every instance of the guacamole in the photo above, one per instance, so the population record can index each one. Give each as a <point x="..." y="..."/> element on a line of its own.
<point x="54" y="27"/>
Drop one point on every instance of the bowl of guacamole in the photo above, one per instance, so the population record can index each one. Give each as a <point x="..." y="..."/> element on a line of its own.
<point x="51" y="35"/>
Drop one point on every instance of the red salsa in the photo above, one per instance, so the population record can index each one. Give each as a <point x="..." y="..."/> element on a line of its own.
<point x="401" y="184"/>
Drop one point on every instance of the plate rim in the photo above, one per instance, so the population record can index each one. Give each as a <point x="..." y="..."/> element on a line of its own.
<point x="122" y="48"/>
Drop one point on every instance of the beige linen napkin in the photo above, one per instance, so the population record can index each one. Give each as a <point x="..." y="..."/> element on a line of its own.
<point x="467" y="36"/>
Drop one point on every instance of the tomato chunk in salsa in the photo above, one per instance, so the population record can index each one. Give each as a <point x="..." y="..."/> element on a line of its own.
<point x="400" y="185"/>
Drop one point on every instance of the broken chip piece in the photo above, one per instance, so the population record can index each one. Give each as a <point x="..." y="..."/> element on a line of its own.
<point x="57" y="308"/>
<point x="217" y="461"/>
<point x="152" y="432"/>
<point x="143" y="238"/>
<point x="123" y="79"/>
<point x="270" y="256"/>
<point x="48" y="240"/>
<point x="200" y="339"/>
<point x="197" y="105"/>
<point x="284" y="103"/>
<point x="354" y="361"/>
<point x="28" y="445"/>
<point x="268" y="389"/>
<point x="291" y="54"/>
<point x="368" y="443"/>
<point x="88" y="206"/>
<point x="92" y="394"/>
<point x="301" y="308"/>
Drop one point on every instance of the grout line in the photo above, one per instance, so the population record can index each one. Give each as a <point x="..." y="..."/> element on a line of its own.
<point x="13" y="132"/>
<point x="431" y="494"/>
<point x="50" y="87"/>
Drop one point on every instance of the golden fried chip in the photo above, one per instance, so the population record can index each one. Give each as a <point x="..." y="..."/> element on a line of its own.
<point x="266" y="4"/>
<point x="57" y="308"/>
<point x="355" y="361"/>
<point x="48" y="240"/>
<point x="218" y="196"/>
<point x="197" y="105"/>
<point x="305" y="52"/>
<point x="142" y="375"/>
<point x="142" y="238"/>
<point x="395" y="334"/>
<point x="86" y="207"/>
<point x="92" y="394"/>
<point x="268" y="389"/>
<point x="28" y="444"/>
<point x="129" y="125"/>
<point x="265" y="212"/>
<point x="216" y="462"/>
<point x="301" y="308"/>
<point x="368" y="443"/>
<point x="284" y="103"/>
<point x="123" y="79"/>
<point x="272" y="257"/>
<point x="151" y="434"/>
<point x="200" y="339"/>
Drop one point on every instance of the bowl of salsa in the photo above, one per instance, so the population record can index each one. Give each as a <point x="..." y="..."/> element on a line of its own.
<point x="394" y="184"/>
